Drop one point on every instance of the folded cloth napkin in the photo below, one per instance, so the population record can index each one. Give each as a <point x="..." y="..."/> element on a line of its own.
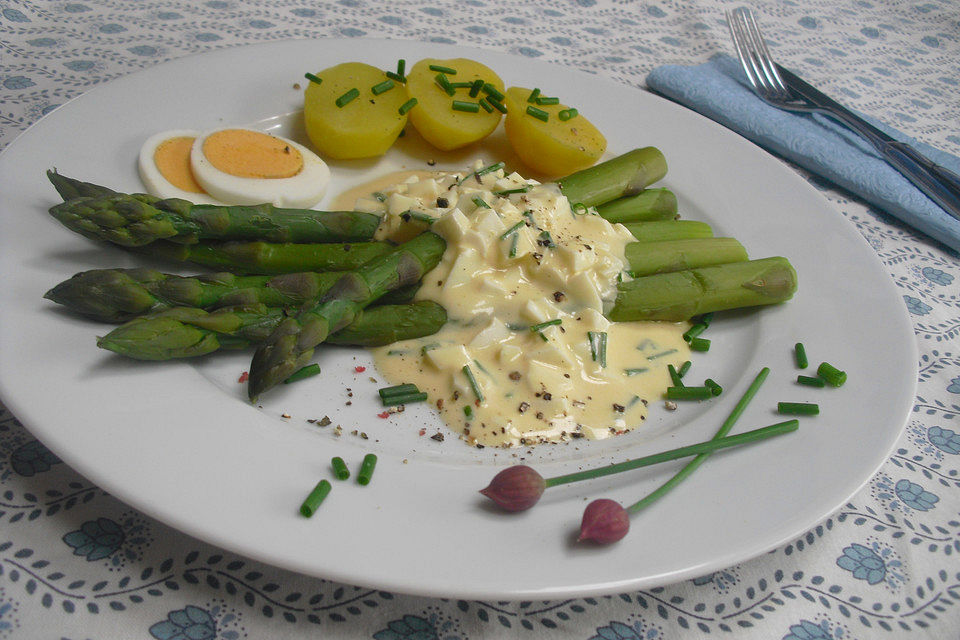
<point x="719" y="90"/>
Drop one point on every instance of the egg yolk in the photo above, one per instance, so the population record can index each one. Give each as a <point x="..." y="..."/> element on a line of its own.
<point x="172" y="157"/>
<point x="251" y="154"/>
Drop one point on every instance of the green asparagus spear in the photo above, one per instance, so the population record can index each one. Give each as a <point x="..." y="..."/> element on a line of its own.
<point x="118" y="295"/>
<point x="270" y="258"/>
<point x="133" y="220"/>
<point x="649" y="204"/>
<point x="683" y="294"/>
<point x="190" y="332"/>
<point x="648" y="258"/>
<point x="292" y="344"/>
<point x="70" y="188"/>
<point x="657" y="230"/>
<point x="625" y="175"/>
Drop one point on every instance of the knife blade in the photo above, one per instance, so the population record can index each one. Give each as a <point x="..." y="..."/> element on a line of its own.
<point x="946" y="187"/>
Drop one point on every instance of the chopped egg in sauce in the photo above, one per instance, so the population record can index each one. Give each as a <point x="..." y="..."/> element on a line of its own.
<point x="232" y="166"/>
<point x="526" y="355"/>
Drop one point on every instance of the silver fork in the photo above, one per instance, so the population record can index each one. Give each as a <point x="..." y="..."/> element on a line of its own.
<point x="766" y="79"/>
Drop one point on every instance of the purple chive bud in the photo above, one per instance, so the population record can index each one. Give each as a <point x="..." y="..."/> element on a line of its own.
<point x="604" y="521"/>
<point x="516" y="488"/>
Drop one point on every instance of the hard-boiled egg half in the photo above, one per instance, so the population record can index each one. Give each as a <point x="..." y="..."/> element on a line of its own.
<point x="232" y="166"/>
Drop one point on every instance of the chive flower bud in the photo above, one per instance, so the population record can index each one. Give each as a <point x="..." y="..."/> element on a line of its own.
<point x="604" y="521"/>
<point x="516" y="488"/>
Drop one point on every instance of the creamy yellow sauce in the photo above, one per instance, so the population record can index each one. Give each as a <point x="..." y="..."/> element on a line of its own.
<point x="526" y="355"/>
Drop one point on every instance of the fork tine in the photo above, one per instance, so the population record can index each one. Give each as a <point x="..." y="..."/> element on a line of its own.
<point x="742" y="45"/>
<point x="759" y="47"/>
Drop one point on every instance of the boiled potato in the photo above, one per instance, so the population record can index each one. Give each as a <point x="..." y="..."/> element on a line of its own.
<point x="365" y="126"/>
<point x="553" y="148"/>
<point x="434" y="116"/>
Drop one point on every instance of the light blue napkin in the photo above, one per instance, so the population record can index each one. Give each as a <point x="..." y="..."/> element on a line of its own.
<point x="718" y="89"/>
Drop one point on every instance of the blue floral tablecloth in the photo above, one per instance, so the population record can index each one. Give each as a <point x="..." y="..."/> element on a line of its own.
<point x="76" y="563"/>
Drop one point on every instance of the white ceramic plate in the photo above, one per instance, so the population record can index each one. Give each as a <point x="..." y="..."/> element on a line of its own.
<point x="179" y="441"/>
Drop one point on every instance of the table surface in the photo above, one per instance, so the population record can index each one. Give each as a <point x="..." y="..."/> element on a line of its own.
<point x="77" y="563"/>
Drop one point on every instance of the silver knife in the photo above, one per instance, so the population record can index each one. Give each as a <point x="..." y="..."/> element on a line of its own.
<point x="937" y="182"/>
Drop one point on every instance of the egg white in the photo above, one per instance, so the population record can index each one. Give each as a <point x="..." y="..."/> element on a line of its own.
<point x="155" y="182"/>
<point x="300" y="191"/>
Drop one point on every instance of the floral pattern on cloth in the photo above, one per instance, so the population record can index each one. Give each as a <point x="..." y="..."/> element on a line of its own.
<point x="76" y="563"/>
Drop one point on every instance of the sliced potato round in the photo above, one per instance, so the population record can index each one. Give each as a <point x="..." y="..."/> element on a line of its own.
<point x="553" y="148"/>
<point x="434" y="116"/>
<point x="364" y="127"/>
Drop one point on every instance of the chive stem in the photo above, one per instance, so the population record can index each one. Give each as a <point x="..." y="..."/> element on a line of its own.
<point x="533" y="95"/>
<point x="468" y="372"/>
<point x="304" y="372"/>
<point x="692" y="466"/>
<point x="443" y="69"/>
<point x="635" y="372"/>
<point x="496" y="104"/>
<point x="546" y="100"/>
<point x="312" y="502"/>
<point x="540" y="326"/>
<point x="567" y="114"/>
<point x="700" y="449"/>
<point x="347" y="97"/>
<point x="798" y="408"/>
<point x="598" y="346"/>
<point x="684" y="368"/>
<point x="382" y="87"/>
<point x="401" y="67"/>
<point x="340" y="469"/>
<point x="405" y="398"/>
<point x="480" y="202"/>
<point x="700" y="344"/>
<point x="486" y="105"/>
<point x="406" y="106"/>
<point x="312" y="78"/>
<point x="811" y="381"/>
<point x="366" y="469"/>
<point x="539" y="114"/>
<point x="711" y="384"/>
<point x="514" y="241"/>
<point x="831" y="375"/>
<point x="689" y="393"/>
<point x="800" y="355"/>
<point x="398" y="390"/>
<point x="513" y="229"/>
<point x="475" y="88"/>
<point x="396" y="76"/>
<point x="492" y="91"/>
<point x="674" y="376"/>
<point x="462" y="105"/>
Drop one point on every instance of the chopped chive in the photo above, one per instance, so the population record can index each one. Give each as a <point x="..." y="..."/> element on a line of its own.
<point x="475" y="87"/>
<point x="800" y="355"/>
<point x="429" y="347"/>
<point x="312" y="502"/>
<point x="700" y="344"/>
<point x="407" y="398"/>
<point x="486" y="105"/>
<point x="401" y="66"/>
<point x="507" y="192"/>
<point x="533" y="95"/>
<point x="443" y="69"/>
<point x="546" y="239"/>
<point x="383" y="87"/>
<point x="496" y="104"/>
<point x="684" y="368"/>
<point x="312" y="78"/>
<point x="396" y="76"/>
<point x="578" y="209"/>
<point x="340" y="469"/>
<point x="689" y="393"/>
<point x="546" y="100"/>
<point x="811" y="381"/>
<point x="513" y="245"/>
<point x="461" y="85"/>
<point x="304" y="372"/>
<point x="398" y="390"/>
<point x="492" y="91"/>
<point x="540" y="326"/>
<point x="674" y="376"/>
<point x="598" y="346"/>
<point x="706" y="318"/>
<point x="798" y="408"/>
<point x="694" y="331"/>
<point x="831" y="375"/>
<point x="635" y="372"/>
<point x="539" y="114"/>
<point x="715" y="388"/>
<point x="347" y="97"/>
<point x="528" y="214"/>
<point x="406" y="106"/>
<point x="461" y="105"/>
<point x="467" y="371"/>
<point x="366" y="469"/>
<point x="467" y="410"/>
<point x="659" y="355"/>
<point x="490" y="169"/>
<point x="480" y="202"/>
<point x="567" y="114"/>
<point x="543" y="336"/>
<point x="409" y="214"/>
<point x="444" y="84"/>
<point x="512" y="229"/>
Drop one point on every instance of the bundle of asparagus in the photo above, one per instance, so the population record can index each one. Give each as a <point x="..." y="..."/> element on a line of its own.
<point x="290" y="280"/>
